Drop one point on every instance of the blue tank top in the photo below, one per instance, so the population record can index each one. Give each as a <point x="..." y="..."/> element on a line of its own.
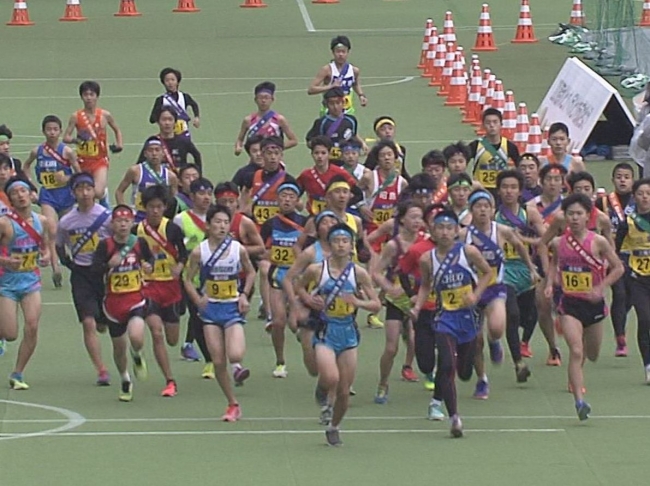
<point x="318" y="256"/>
<point x="23" y="246"/>
<point x="47" y="166"/>
<point x="458" y="279"/>
<point x="283" y="237"/>
<point x="338" y="312"/>
<point x="492" y="253"/>
<point x="146" y="179"/>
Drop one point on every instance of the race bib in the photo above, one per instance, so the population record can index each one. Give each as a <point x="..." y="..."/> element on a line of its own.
<point x="180" y="127"/>
<point x="452" y="299"/>
<point x="221" y="289"/>
<point x="347" y="101"/>
<point x="88" y="247"/>
<point x="380" y="216"/>
<point x="282" y="255"/>
<point x="123" y="282"/>
<point x="511" y="253"/>
<point x="262" y="213"/>
<point x="640" y="263"/>
<point x="87" y="149"/>
<point x="317" y="206"/>
<point x="577" y="281"/>
<point x="487" y="178"/>
<point x="339" y="308"/>
<point x="28" y="261"/>
<point x="335" y="153"/>
<point x="161" y="270"/>
<point x="48" y="180"/>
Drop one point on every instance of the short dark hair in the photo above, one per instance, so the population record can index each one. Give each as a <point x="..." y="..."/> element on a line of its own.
<point x="5" y="160"/>
<point x="575" y="177"/>
<point x="402" y="208"/>
<point x="321" y="140"/>
<point x="453" y="179"/>
<point x="250" y="141"/>
<point x="340" y="39"/>
<point x="89" y="86"/>
<point x="383" y="143"/>
<point x="227" y="186"/>
<point x="491" y="111"/>
<point x="558" y="127"/>
<point x="543" y="172"/>
<point x="157" y="191"/>
<point x="169" y="70"/>
<point x="50" y="119"/>
<point x="619" y="166"/>
<point x="456" y="148"/>
<point x="217" y="208"/>
<point x="421" y="181"/>
<point x="528" y="156"/>
<point x="167" y="109"/>
<point x="266" y="141"/>
<point x="580" y="199"/>
<point x="186" y="167"/>
<point x="433" y="157"/>
<point x="4" y="130"/>
<point x="641" y="182"/>
<point x="334" y="93"/>
<point x="265" y="86"/>
<point x="510" y="174"/>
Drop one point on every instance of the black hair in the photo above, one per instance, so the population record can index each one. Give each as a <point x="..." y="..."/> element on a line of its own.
<point x="383" y="144"/>
<point x="455" y="178"/>
<point x="18" y="178"/>
<point x="510" y="174"/>
<point x="157" y="191"/>
<point x="437" y="208"/>
<point x="491" y="111"/>
<point x="641" y="182"/>
<point x="456" y="148"/>
<point x="575" y="177"/>
<point x="421" y="181"/>
<point x="4" y="130"/>
<point x="228" y="186"/>
<point x="619" y="166"/>
<point x="173" y="71"/>
<point x="272" y="141"/>
<point x="167" y="109"/>
<point x="334" y="93"/>
<point x="321" y="140"/>
<point x="50" y="119"/>
<point x="5" y="160"/>
<point x="528" y="156"/>
<point x="250" y="141"/>
<point x="558" y="127"/>
<point x="543" y="172"/>
<point x="201" y="182"/>
<point x="433" y="157"/>
<point x="265" y="86"/>
<point x="217" y="208"/>
<point x="186" y="167"/>
<point x="340" y="39"/>
<point x="580" y="199"/>
<point x="402" y="208"/>
<point x="89" y="86"/>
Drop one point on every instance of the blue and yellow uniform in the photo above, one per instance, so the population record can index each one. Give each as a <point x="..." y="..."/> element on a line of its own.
<point x="16" y="284"/>
<point x="280" y="234"/>
<point x="53" y="193"/>
<point x="148" y="177"/>
<point x="494" y="256"/>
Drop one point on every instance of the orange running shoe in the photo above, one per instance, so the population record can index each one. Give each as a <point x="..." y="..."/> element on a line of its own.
<point x="554" y="358"/>
<point x="170" y="389"/>
<point x="233" y="413"/>
<point x="409" y="375"/>
<point x="525" y="350"/>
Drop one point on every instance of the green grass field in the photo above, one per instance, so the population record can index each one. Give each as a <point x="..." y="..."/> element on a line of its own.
<point x="68" y="432"/>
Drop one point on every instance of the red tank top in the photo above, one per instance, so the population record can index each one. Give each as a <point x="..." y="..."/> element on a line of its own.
<point x="579" y="271"/>
<point x="93" y="146"/>
<point x="384" y="201"/>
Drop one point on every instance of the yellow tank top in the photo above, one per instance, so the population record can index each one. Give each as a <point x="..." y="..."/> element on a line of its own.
<point x="637" y="244"/>
<point x="487" y="167"/>
<point x="162" y="269"/>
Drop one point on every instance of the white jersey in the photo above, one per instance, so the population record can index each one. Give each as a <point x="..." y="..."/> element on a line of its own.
<point x="220" y="280"/>
<point x="347" y="79"/>
<point x="494" y="260"/>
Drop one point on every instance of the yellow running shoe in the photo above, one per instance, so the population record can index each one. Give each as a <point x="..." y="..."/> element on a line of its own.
<point x="208" y="371"/>
<point x="140" y="367"/>
<point x="16" y="382"/>
<point x="374" y="322"/>
<point x="126" y="392"/>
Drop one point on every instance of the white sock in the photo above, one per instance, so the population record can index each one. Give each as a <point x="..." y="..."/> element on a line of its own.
<point x="435" y="403"/>
<point x="235" y="366"/>
<point x="126" y="376"/>
<point x="484" y="378"/>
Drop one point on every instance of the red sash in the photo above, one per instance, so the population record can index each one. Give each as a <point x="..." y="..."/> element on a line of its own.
<point x="314" y="174"/>
<point x="29" y="229"/>
<point x="168" y="154"/>
<point x="92" y="128"/>
<point x="196" y="220"/>
<point x="55" y="155"/>
<point x="158" y="238"/>
<point x="441" y="194"/>
<point x="584" y="253"/>
<point x="289" y="222"/>
<point x="616" y="204"/>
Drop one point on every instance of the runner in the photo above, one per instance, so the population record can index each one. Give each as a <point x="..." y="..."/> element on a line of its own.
<point x="92" y="150"/>
<point x="459" y="187"/>
<point x="79" y="232"/>
<point x="55" y="164"/>
<point x="265" y="122"/>
<point x="528" y="165"/>
<point x="149" y="173"/>
<point x="255" y="161"/>
<point x="433" y="164"/>
<point x="123" y="258"/>
<point x="162" y="287"/>
<point x="6" y="173"/>
<point x="559" y="142"/>
<point x="175" y="147"/>
<point x="338" y="283"/>
<point x="448" y="271"/>
<point x="385" y="129"/>
<point x="222" y="308"/>
<point x="578" y="257"/>
<point x="280" y="234"/>
<point x="339" y="73"/>
<point x="183" y="200"/>
<point x="456" y="157"/>
<point x="26" y="236"/>
<point x="618" y="205"/>
<point x="178" y="101"/>
<point x="5" y="149"/>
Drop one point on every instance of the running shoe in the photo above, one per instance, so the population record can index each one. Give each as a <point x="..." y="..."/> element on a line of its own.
<point x="409" y="375"/>
<point x="352" y="392"/>
<point x="16" y="382"/>
<point x="381" y="396"/>
<point x="435" y="411"/>
<point x="280" y="371"/>
<point x="140" y="367"/>
<point x="233" y="413"/>
<point x="57" y="280"/>
<point x="126" y="392"/>
<point x="332" y="438"/>
<point x="583" y="409"/>
<point x="103" y="378"/>
<point x="621" y="347"/>
<point x="208" y="372"/>
<point x="525" y="350"/>
<point x="482" y="390"/>
<point x="522" y="372"/>
<point x="325" y="415"/>
<point x="429" y="382"/>
<point x="456" y="427"/>
<point x="268" y="325"/>
<point x="320" y="395"/>
<point x="647" y="375"/>
<point x="170" y="389"/>
<point x="239" y="375"/>
<point x="3" y="345"/>
<point x="496" y="352"/>
<point x="189" y="353"/>
<point x="374" y="322"/>
<point x="554" y="358"/>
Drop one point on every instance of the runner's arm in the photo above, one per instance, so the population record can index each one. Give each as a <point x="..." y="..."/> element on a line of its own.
<point x="292" y="139"/>
<point x="300" y="264"/>
<point x="116" y="130"/>
<point x="357" y="86"/>
<point x="241" y="136"/>
<point x="605" y="227"/>
<point x="69" y="130"/>
<point x="191" y="272"/>
<point x="100" y="258"/>
<point x="249" y="269"/>
<point x="173" y="184"/>
<point x="608" y="253"/>
<point x="71" y="156"/>
<point x="551" y="270"/>
<point x="371" y="303"/>
<point x="426" y="283"/>
<point x="476" y="259"/>
<point x="318" y="85"/>
<point x="308" y="276"/>
<point x="377" y="271"/>
<point x="251" y="239"/>
<point x="513" y="238"/>
<point x="124" y="184"/>
<point x="28" y="163"/>
<point x="155" y="111"/>
<point x="385" y="229"/>
<point x="194" y="152"/>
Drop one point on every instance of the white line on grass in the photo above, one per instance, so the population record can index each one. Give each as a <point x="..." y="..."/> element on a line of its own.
<point x="309" y="25"/>
<point x="154" y="80"/>
<point x="72" y="420"/>
<point x="421" y="29"/>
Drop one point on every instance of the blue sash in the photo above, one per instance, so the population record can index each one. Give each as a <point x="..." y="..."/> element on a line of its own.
<point x="88" y="234"/>
<point x="548" y="210"/>
<point x="267" y="185"/>
<point x="220" y="250"/>
<point x="334" y="126"/>
<point x="486" y="242"/>
<point x="257" y="126"/>
<point x="180" y="111"/>
<point x="516" y="221"/>
<point x="158" y="178"/>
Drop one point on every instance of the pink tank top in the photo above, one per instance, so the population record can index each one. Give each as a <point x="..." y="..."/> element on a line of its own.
<point x="577" y="272"/>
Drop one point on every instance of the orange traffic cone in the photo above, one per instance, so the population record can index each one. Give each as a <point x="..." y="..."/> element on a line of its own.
<point x="577" y="15"/>
<point x="546" y="148"/>
<point x="253" y="4"/>
<point x="324" y="1"/>
<point x="534" y="145"/>
<point x="458" y="84"/>
<point x="645" y="15"/>
<point x="448" y="31"/>
<point x="20" y="15"/>
<point x="425" y="44"/>
<point x="509" y="126"/>
<point x="186" y="6"/>
<point x="473" y="107"/>
<point x="489" y="95"/>
<point x="525" y="32"/>
<point x="439" y="62"/>
<point x="127" y="9"/>
<point x="72" y="12"/>
<point x="485" y="81"/>
<point x="448" y="70"/>
<point x="484" y="36"/>
<point x="499" y="98"/>
<point x="521" y="135"/>
<point x="430" y="68"/>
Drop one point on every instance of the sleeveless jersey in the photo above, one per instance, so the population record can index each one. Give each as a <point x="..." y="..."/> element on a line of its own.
<point x="491" y="256"/>
<point x="616" y="212"/>
<point x="47" y="166"/>
<point x="338" y="312"/>
<point x="146" y="179"/>
<point x="577" y="277"/>
<point x="357" y="172"/>
<point x="93" y="144"/>
<point x="180" y="126"/>
<point x="548" y="218"/>
<point x="220" y="280"/>
<point x="162" y="269"/>
<point x="23" y="246"/>
<point x="458" y="280"/>
<point x="266" y="205"/>
<point x="125" y="279"/>
<point x="268" y="128"/>
<point x="384" y="199"/>
<point x="193" y="235"/>
<point x="516" y="273"/>
<point x="637" y="245"/>
<point x="487" y="167"/>
<point x="565" y="162"/>
<point x="592" y="224"/>
<point x="347" y="82"/>
<point x="283" y="237"/>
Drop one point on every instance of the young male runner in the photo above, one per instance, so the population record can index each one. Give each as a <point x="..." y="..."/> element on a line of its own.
<point x="457" y="156"/>
<point x="578" y="257"/>
<point x="26" y="237"/>
<point x="339" y="74"/>
<point x="385" y="128"/>
<point x="183" y="200"/>
<point x="218" y="261"/>
<point x="528" y="166"/>
<point x="256" y="161"/>
<point x="77" y="237"/>
<point x="459" y="187"/>
<point x="178" y="101"/>
<point x="123" y="259"/>
<point x="265" y="122"/>
<point x="559" y="141"/>
<point x="5" y="149"/>
<point x="92" y="150"/>
<point x="338" y="283"/>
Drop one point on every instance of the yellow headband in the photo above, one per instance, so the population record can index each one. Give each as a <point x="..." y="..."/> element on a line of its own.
<point x="339" y="185"/>
<point x="383" y="121"/>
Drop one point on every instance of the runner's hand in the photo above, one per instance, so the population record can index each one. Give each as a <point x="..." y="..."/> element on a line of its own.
<point x="147" y="268"/>
<point x="196" y="122"/>
<point x="13" y="263"/>
<point x="470" y="299"/>
<point x="177" y="270"/>
<point x="243" y="304"/>
<point x="203" y="302"/>
<point x="363" y="101"/>
<point x="116" y="259"/>
<point x="548" y="291"/>
<point x="316" y="302"/>
<point x="115" y="149"/>
<point x="336" y="83"/>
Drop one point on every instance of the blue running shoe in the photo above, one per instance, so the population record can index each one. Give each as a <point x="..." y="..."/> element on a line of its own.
<point x="189" y="353"/>
<point x="482" y="390"/>
<point x="3" y="344"/>
<point x="382" y="395"/>
<point x="496" y="352"/>
<point x="583" y="409"/>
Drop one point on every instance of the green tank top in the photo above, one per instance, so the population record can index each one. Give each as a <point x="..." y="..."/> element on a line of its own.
<point x="516" y="273"/>
<point x="193" y="236"/>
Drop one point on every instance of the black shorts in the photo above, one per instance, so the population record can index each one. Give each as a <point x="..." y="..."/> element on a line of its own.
<point x="87" y="293"/>
<point x="588" y="313"/>
<point x="170" y="314"/>
<point x="116" y="329"/>
<point x="394" y="314"/>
